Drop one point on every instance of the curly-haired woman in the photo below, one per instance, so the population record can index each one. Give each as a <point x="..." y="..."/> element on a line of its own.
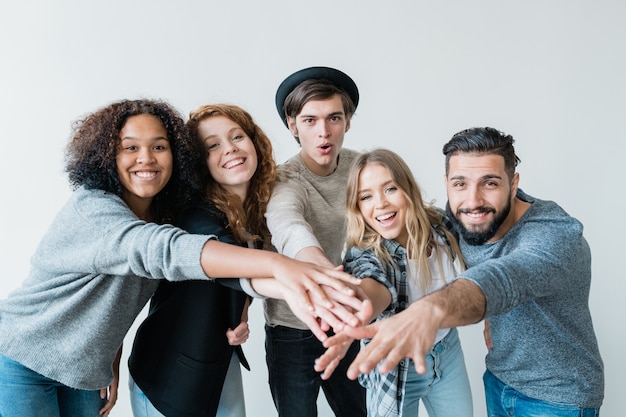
<point x="130" y="164"/>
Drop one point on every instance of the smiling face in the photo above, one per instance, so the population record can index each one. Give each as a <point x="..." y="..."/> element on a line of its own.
<point x="320" y="126"/>
<point x="480" y="195"/>
<point x="382" y="204"/>
<point x="231" y="155"/>
<point x="144" y="161"/>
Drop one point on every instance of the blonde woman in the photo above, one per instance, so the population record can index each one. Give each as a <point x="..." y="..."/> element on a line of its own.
<point x="402" y="251"/>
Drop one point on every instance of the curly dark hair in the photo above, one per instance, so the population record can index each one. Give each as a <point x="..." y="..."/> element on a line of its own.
<point x="251" y="216"/>
<point x="92" y="150"/>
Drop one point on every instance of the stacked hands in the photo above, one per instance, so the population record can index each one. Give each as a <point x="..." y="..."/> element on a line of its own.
<point x="325" y="298"/>
<point x="332" y="299"/>
<point x="338" y="304"/>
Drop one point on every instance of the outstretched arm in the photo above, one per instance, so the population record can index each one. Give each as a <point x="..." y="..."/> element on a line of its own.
<point x="223" y="260"/>
<point x="411" y="333"/>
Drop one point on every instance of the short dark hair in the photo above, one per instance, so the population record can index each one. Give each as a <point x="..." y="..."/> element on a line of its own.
<point x="315" y="89"/>
<point x="486" y="141"/>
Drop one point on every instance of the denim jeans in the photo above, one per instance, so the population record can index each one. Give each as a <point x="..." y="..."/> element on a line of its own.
<point x="444" y="388"/>
<point x="295" y="385"/>
<point x="25" y="393"/>
<point x="504" y="401"/>
<point x="231" y="401"/>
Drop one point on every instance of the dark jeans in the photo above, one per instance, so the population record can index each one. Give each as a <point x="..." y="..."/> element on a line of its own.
<point x="295" y="385"/>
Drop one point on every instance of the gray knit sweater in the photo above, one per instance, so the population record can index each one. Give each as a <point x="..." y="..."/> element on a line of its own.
<point x="306" y="210"/>
<point x="88" y="281"/>
<point x="536" y="280"/>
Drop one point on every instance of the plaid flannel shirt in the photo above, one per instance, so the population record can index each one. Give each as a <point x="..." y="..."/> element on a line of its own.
<point x="385" y="391"/>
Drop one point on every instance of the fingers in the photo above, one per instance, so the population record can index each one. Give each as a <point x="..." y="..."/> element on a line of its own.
<point x="362" y="332"/>
<point x="330" y="369"/>
<point x="365" y="313"/>
<point x="301" y="278"/>
<point x="239" y="335"/>
<point x="341" y="281"/>
<point x="337" y="316"/>
<point x="328" y="362"/>
<point x="315" y="294"/>
<point x="324" y="325"/>
<point x="314" y="325"/>
<point x="388" y="354"/>
<point x="344" y="285"/>
<point x="306" y="280"/>
<point x="338" y="339"/>
<point x="337" y="279"/>
<point x="306" y="315"/>
<point x="366" y="360"/>
<point x="348" y="309"/>
<point x="104" y="411"/>
<point x="390" y="343"/>
<point x="352" y="301"/>
<point x="339" y="309"/>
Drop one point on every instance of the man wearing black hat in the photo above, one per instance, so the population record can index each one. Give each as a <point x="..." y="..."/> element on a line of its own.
<point x="306" y="218"/>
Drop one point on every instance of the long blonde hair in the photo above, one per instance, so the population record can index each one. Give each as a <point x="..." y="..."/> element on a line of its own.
<point x="243" y="216"/>
<point x="421" y="219"/>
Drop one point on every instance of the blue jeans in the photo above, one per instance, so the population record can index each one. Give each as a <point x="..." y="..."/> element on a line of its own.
<point x="444" y="388"/>
<point x="295" y="385"/>
<point x="231" y="401"/>
<point x="504" y="401"/>
<point x="25" y="393"/>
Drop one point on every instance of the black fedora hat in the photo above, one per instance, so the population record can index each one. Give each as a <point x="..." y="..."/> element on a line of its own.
<point x="340" y="79"/>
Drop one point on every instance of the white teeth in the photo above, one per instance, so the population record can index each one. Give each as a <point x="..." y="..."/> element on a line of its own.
<point x="385" y="216"/>
<point x="475" y="215"/>
<point x="144" y="174"/>
<point x="234" y="163"/>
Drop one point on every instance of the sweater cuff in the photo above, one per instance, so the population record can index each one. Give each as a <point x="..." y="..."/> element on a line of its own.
<point x="247" y="288"/>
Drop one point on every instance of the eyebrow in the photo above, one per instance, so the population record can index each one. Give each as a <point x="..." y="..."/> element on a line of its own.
<point x="484" y="177"/>
<point x="230" y="131"/>
<point x="313" y="116"/>
<point x="368" y="189"/>
<point x="154" y="139"/>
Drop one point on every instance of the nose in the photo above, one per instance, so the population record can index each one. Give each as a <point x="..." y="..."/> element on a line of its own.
<point x="230" y="147"/>
<point x="145" y="156"/>
<point x="473" y="197"/>
<point x="325" y="129"/>
<point x="381" y="201"/>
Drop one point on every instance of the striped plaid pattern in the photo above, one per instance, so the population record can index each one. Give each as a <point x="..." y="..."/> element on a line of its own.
<point x="384" y="391"/>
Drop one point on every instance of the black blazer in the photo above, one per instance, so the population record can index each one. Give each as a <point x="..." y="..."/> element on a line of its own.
<point x="180" y="353"/>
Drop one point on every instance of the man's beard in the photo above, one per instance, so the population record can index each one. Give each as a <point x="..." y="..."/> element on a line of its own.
<point x="478" y="237"/>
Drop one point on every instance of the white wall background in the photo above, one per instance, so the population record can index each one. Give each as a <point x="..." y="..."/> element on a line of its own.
<point x="550" y="73"/>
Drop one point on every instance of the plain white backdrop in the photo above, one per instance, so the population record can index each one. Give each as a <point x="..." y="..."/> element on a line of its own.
<point x="549" y="73"/>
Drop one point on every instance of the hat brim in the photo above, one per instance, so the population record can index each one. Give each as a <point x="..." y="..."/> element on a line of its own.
<point x="340" y="79"/>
